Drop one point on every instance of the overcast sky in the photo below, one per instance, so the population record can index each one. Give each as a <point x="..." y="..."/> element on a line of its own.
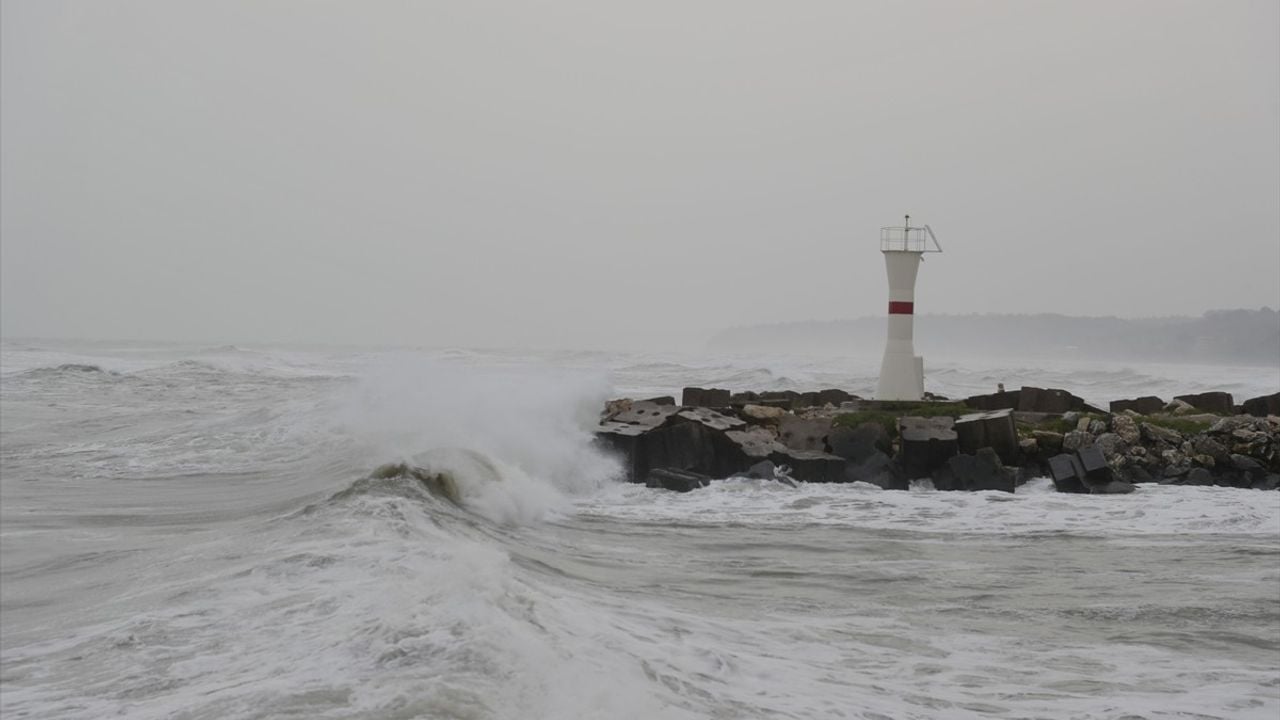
<point x="592" y="173"/>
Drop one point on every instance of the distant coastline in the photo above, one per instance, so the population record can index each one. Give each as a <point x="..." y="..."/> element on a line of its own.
<point x="1237" y="337"/>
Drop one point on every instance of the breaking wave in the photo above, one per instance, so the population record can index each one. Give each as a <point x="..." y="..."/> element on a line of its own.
<point x="496" y="491"/>
<point x="66" y="369"/>
<point x="533" y="427"/>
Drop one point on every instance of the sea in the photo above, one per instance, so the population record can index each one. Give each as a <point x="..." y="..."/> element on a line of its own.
<point x="197" y="532"/>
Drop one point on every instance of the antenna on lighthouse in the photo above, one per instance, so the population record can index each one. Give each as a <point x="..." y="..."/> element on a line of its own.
<point x="933" y="237"/>
<point x="902" y="371"/>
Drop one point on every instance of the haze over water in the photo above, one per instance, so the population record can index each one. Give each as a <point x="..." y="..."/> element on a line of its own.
<point x="569" y="174"/>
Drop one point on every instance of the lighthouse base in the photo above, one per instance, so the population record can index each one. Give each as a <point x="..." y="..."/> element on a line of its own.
<point x="901" y="377"/>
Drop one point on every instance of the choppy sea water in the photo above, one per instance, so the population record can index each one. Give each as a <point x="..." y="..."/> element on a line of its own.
<point x="185" y="533"/>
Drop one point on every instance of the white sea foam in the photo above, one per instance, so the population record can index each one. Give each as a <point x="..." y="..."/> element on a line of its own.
<point x="279" y="580"/>
<point x="1034" y="509"/>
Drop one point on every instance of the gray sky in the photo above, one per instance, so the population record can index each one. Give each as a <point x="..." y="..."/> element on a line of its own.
<point x="589" y="173"/>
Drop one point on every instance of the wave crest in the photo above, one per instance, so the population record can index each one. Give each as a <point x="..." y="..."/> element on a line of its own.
<point x="498" y="492"/>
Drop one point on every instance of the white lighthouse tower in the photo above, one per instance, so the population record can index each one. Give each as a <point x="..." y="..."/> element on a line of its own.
<point x="902" y="371"/>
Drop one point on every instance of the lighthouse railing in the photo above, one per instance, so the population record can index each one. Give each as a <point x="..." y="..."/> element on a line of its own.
<point x="907" y="239"/>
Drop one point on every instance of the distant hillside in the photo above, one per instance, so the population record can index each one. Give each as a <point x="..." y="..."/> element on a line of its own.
<point x="1246" y="337"/>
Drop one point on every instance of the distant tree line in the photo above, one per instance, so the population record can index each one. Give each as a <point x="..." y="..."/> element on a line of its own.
<point x="1246" y="337"/>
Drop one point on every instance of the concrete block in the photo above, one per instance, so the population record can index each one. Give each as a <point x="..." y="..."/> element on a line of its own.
<point x="1145" y="405"/>
<point x="1215" y="402"/>
<point x="811" y="466"/>
<point x="994" y="429"/>
<point x="1263" y="406"/>
<point x="711" y="419"/>
<point x="994" y="401"/>
<point x="646" y="414"/>
<point x="982" y="471"/>
<point x="858" y="444"/>
<point x="926" y="443"/>
<point x="705" y="397"/>
<point x="682" y="446"/>
<point x="1067" y="474"/>
<point x="834" y="397"/>
<point x="876" y="469"/>
<point x="674" y="479"/>
<point x="804" y="434"/>
<point x="1051" y="400"/>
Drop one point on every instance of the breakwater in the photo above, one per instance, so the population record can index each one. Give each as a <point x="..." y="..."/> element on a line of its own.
<point x="982" y="442"/>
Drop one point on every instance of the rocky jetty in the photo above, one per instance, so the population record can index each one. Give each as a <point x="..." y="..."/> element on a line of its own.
<point x="985" y="442"/>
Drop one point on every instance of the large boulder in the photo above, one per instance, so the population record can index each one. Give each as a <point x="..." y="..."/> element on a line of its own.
<point x="613" y="407"/>
<point x="1049" y="442"/>
<point x="1220" y="403"/>
<point x="1197" y="476"/>
<point x="994" y="429"/>
<point x="1234" y="423"/>
<point x="1176" y="463"/>
<point x="1205" y="444"/>
<point x="1270" y="482"/>
<point x="1076" y="439"/>
<point x="1158" y="434"/>
<point x="1145" y="405"/>
<point x="1111" y="445"/>
<point x="762" y="414"/>
<point x="1243" y="472"/>
<point x="926" y="444"/>
<point x="1126" y="428"/>
<point x="1263" y="406"/>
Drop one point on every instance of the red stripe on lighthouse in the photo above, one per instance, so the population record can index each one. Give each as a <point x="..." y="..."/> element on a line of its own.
<point x="898" y="307"/>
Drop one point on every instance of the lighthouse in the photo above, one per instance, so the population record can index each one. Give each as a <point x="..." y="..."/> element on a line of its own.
<point x="902" y="371"/>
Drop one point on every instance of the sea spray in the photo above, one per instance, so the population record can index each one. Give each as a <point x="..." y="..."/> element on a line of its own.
<point x="530" y="426"/>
